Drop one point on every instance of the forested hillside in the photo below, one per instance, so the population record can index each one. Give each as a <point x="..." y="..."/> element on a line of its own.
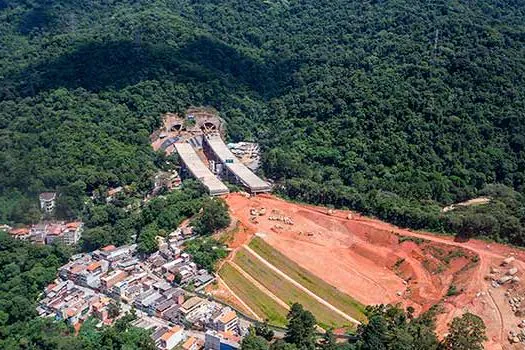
<point x="393" y="108"/>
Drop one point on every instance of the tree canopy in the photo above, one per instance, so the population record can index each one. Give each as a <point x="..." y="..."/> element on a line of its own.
<point x="391" y="108"/>
<point x="301" y="328"/>
<point x="465" y="333"/>
<point x="214" y="216"/>
<point x="205" y="252"/>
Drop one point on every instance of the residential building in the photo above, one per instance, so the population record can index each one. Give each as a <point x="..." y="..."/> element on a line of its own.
<point x="157" y="334"/>
<point x="176" y="294"/>
<point x="113" y="254"/>
<point x="172" y="314"/>
<point x="226" y="321"/>
<point x="47" y="201"/>
<point x="73" y="232"/>
<point x="20" y="233"/>
<point x="192" y="305"/>
<point x="202" y="279"/>
<point x="191" y="343"/>
<point x="38" y="233"/>
<point x="160" y="307"/>
<point x="109" y="281"/>
<point x="214" y="340"/>
<point x="112" y="193"/>
<point x="54" y="232"/>
<point x="171" y="338"/>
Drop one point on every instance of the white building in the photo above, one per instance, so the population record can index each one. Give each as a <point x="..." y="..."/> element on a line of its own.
<point x="47" y="201"/>
<point x="73" y="232"/>
<point x="171" y="338"/>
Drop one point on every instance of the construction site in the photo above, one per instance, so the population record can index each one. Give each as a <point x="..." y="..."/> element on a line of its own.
<point x="198" y="139"/>
<point x="337" y="261"/>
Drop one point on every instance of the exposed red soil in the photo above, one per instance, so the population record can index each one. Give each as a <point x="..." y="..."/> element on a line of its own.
<point x="364" y="258"/>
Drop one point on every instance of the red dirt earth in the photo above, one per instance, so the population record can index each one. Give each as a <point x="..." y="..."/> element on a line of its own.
<point x="375" y="262"/>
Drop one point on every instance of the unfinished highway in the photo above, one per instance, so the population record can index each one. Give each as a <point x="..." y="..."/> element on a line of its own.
<point x="196" y="167"/>
<point x="215" y="149"/>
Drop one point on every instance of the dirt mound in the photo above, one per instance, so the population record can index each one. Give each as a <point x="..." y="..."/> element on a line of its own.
<point x="378" y="263"/>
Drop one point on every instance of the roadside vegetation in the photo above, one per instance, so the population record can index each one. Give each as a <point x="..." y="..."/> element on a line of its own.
<point x="389" y="327"/>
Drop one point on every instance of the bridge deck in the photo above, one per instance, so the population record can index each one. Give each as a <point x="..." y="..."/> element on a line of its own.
<point x="232" y="163"/>
<point x="199" y="170"/>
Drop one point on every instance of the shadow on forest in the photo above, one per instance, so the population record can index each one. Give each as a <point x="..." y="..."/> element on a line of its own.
<point x="115" y="65"/>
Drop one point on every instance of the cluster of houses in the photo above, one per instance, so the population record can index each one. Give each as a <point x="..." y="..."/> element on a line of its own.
<point x="210" y="325"/>
<point x="91" y="284"/>
<point x="48" y="232"/>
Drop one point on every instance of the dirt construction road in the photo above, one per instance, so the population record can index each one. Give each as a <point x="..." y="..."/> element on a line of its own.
<point x="376" y="262"/>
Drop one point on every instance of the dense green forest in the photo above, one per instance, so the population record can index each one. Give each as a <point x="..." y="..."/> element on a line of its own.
<point x="417" y="102"/>
<point x="119" y="223"/>
<point x="393" y="108"/>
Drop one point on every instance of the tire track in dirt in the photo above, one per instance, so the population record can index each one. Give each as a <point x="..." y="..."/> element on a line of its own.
<point x="475" y="281"/>
<point x="500" y="315"/>
<point x="301" y="287"/>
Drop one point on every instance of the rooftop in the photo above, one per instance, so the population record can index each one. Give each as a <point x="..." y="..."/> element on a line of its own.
<point x="228" y="317"/>
<point x="19" y="231"/>
<point x="189" y="343"/>
<point x="192" y="302"/>
<point x="47" y="196"/>
<point x="94" y="266"/>
<point x="55" y="229"/>
<point x="75" y="224"/>
<point x="174" y="330"/>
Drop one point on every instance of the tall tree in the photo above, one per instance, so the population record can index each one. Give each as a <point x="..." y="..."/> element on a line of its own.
<point x="301" y="328"/>
<point x="147" y="241"/>
<point x="329" y="341"/>
<point x="374" y="334"/>
<point x="214" y="216"/>
<point x="254" y="342"/>
<point x="465" y="333"/>
<point x="263" y="330"/>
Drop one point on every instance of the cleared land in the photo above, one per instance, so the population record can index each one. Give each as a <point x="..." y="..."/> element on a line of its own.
<point x="376" y="263"/>
<point x="259" y="302"/>
<point x="286" y="291"/>
<point x="326" y="291"/>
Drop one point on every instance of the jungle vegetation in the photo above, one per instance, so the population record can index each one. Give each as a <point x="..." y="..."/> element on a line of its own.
<point x="391" y="108"/>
